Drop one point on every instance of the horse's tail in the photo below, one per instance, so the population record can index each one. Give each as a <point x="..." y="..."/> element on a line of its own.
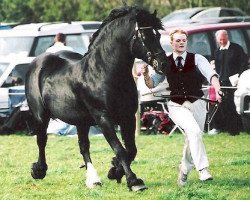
<point x="33" y="90"/>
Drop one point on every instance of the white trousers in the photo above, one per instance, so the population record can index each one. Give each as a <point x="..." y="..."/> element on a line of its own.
<point x="191" y="118"/>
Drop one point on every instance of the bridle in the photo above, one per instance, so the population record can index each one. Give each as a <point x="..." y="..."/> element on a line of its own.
<point x="150" y="55"/>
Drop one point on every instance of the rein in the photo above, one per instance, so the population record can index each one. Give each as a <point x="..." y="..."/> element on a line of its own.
<point x="185" y="96"/>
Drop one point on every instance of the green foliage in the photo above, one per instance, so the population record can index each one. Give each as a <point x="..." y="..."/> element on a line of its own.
<point x="26" y="11"/>
<point x="156" y="163"/>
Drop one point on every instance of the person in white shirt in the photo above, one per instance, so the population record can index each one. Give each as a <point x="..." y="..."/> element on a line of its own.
<point x="185" y="75"/>
<point x="59" y="44"/>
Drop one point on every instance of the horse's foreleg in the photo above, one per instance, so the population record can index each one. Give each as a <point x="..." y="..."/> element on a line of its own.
<point x="128" y="136"/>
<point x="122" y="157"/>
<point x="39" y="168"/>
<point x="128" y="126"/>
<point x="92" y="178"/>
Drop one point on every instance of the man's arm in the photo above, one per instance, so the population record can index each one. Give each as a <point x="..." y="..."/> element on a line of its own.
<point x="148" y="81"/>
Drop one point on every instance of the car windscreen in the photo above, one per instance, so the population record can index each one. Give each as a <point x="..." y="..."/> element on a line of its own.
<point x="16" y="46"/>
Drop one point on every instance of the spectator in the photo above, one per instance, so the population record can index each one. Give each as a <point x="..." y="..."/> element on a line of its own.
<point x="185" y="74"/>
<point x="230" y="61"/>
<point x="59" y="44"/>
<point x="20" y="119"/>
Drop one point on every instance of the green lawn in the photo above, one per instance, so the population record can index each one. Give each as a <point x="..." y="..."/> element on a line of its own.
<point x="156" y="163"/>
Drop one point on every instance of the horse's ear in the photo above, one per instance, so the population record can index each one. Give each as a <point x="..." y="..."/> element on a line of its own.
<point x="155" y="13"/>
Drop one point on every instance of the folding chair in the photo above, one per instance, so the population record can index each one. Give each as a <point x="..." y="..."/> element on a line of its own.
<point x="163" y="104"/>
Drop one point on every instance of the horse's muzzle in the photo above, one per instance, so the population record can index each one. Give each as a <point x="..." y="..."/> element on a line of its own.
<point x="159" y="68"/>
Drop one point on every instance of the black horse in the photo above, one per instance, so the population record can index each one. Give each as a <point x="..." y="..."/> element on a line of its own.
<point x="97" y="88"/>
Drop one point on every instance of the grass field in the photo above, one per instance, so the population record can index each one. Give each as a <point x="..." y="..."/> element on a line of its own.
<point x="156" y="163"/>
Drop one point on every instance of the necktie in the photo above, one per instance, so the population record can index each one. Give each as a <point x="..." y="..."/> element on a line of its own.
<point x="179" y="64"/>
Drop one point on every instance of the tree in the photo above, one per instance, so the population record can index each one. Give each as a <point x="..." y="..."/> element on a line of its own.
<point x="26" y="11"/>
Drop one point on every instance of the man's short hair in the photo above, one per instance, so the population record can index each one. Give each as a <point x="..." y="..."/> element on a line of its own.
<point x="181" y="31"/>
<point x="60" y="37"/>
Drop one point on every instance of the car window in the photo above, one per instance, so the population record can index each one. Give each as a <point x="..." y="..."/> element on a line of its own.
<point x="77" y="43"/>
<point x="15" y="45"/>
<point x="207" y="14"/>
<point x="248" y="33"/>
<point x="17" y="76"/>
<point x="42" y="44"/>
<point x="236" y="13"/>
<point x="237" y="36"/>
<point x="225" y="13"/>
<point x="199" y="43"/>
<point x="90" y="26"/>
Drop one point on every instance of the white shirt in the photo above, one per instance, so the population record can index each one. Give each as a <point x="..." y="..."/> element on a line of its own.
<point x="58" y="46"/>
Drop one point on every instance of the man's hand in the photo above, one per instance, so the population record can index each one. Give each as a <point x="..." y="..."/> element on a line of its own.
<point x="144" y="70"/>
<point x="147" y="79"/>
<point x="219" y="96"/>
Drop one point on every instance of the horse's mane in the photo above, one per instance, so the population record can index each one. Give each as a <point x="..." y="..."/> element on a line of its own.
<point x="142" y="16"/>
<point x="114" y="14"/>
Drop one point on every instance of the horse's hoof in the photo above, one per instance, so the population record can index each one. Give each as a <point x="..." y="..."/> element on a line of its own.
<point x="38" y="171"/>
<point x="94" y="185"/>
<point x="98" y="184"/>
<point x="115" y="174"/>
<point x="112" y="173"/>
<point x="137" y="188"/>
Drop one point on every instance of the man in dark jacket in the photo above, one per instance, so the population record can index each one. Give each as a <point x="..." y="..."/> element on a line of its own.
<point x="230" y="61"/>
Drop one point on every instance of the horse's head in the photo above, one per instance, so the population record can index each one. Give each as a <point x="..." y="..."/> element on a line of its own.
<point x="146" y="40"/>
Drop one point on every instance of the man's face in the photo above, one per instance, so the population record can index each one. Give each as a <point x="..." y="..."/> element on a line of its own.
<point x="222" y="39"/>
<point x="179" y="43"/>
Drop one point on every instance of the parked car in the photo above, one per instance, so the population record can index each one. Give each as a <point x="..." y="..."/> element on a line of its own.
<point x="204" y="15"/>
<point x="242" y="99"/>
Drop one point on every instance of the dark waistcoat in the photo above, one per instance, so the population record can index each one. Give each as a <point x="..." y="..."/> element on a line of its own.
<point x="185" y="82"/>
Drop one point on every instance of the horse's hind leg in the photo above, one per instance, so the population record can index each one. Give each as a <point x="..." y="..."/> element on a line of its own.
<point x="39" y="168"/>
<point x="92" y="178"/>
